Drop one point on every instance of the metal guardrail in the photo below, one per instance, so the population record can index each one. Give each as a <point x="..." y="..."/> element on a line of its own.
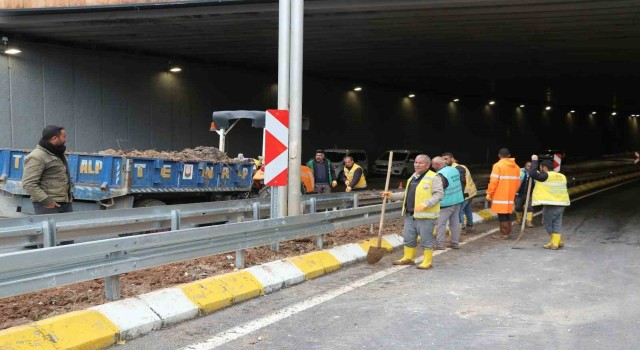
<point x="29" y="271"/>
<point x="46" y="230"/>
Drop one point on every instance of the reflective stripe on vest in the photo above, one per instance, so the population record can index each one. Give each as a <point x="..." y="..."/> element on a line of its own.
<point x="423" y="193"/>
<point x="470" y="187"/>
<point x="507" y="177"/>
<point x="362" y="182"/>
<point x="552" y="192"/>
<point x="453" y="193"/>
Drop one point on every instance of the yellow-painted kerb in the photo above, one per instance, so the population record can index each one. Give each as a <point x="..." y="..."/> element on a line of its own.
<point x="24" y="337"/>
<point x="80" y="330"/>
<point x="215" y="293"/>
<point x="374" y="242"/>
<point x="316" y="264"/>
<point x="241" y="285"/>
<point x="485" y="214"/>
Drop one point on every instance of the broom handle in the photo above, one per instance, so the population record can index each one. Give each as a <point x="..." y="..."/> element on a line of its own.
<point x="384" y="200"/>
<point x="524" y="216"/>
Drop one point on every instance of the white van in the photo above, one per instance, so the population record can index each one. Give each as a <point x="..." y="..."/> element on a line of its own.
<point x="336" y="156"/>
<point x="402" y="164"/>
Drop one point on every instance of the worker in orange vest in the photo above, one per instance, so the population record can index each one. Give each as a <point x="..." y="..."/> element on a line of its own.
<point x="503" y="185"/>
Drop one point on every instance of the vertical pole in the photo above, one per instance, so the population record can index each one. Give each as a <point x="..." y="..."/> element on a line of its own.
<point x="49" y="233"/>
<point x="312" y="210"/>
<point x="295" y="112"/>
<point x="175" y="220"/>
<point x="223" y="136"/>
<point x="356" y="203"/>
<point x="112" y="283"/>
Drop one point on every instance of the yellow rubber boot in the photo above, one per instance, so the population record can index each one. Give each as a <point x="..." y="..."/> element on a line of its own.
<point x="561" y="244"/>
<point x="530" y="220"/>
<point x="548" y="245"/>
<point x="519" y="217"/>
<point x="426" y="263"/>
<point x="555" y="241"/>
<point x="408" y="258"/>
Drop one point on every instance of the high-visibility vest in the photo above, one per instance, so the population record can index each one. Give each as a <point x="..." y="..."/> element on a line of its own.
<point x="423" y="193"/>
<point x="453" y="193"/>
<point x="362" y="183"/>
<point x="553" y="191"/>
<point x="470" y="187"/>
<point x="503" y="185"/>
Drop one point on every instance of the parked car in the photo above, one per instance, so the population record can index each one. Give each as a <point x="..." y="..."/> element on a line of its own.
<point x="336" y="156"/>
<point x="402" y="163"/>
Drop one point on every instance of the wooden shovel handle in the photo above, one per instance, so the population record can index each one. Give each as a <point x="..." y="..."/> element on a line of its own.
<point x="384" y="200"/>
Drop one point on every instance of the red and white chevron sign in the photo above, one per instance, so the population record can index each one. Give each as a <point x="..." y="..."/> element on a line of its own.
<point x="636" y="158"/>
<point x="557" y="160"/>
<point x="276" y="147"/>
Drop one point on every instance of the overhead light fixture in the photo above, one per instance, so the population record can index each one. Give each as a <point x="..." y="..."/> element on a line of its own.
<point x="456" y="100"/>
<point x="8" y="50"/>
<point x="492" y="102"/>
<point x="521" y="106"/>
<point x="175" y="69"/>
<point x="613" y="113"/>
<point x="548" y="108"/>
<point x="357" y="88"/>
<point x="412" y="95"/>
<point x="594" y="112"/>
<point x="572" y="111"/>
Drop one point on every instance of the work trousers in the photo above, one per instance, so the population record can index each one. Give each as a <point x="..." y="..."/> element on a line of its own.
<point x="552" y="218"/>
<point x="449" y="215"/>
<point x="418" y="227"/>
<point x="465" y="210"/>
<point x="323" y="188"/>
<point x="520" y="204"/>
<point x="40" y="209"/>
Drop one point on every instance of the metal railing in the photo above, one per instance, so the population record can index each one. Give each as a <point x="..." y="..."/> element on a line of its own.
<point x="45" y="230"/>
<point x="33" y="270"/>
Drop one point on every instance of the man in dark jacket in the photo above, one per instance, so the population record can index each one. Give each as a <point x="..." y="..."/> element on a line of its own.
<point x="322" y="173"/>
<point x="46" y="176"/>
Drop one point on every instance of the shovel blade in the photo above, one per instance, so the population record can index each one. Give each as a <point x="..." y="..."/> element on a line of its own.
<point x="375" y="254"/>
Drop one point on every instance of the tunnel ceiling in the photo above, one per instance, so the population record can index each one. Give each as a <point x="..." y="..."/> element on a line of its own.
<point x="586" y="52"/>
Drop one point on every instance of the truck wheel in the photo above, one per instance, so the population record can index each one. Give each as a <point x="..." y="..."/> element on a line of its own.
<point x="150" y="202"/>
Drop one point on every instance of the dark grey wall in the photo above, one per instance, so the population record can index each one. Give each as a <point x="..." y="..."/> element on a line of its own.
<point x="107" y="100"/>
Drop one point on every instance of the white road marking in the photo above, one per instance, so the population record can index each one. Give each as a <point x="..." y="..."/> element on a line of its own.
<point x="252" y="326"/>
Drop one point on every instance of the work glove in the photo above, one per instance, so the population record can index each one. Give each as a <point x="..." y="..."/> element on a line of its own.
<point x="488" y="198"/>
<point x="348" y="189"/>
<point x="385" y="194"/>
<point x="334" y="183"/>
<point x="420" y="207"/>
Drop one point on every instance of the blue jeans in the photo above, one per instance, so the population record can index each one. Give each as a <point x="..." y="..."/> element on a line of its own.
<point x="465" y="209"/>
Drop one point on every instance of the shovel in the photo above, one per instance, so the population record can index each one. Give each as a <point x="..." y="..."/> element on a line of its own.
<point x="375" y="254"/>
<point x="524" y="215"/>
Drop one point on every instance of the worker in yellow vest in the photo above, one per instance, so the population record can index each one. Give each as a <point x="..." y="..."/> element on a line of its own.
<point x="550" y="192"/>
<point x="420" y="208"/>
<point x="352" y="175"/>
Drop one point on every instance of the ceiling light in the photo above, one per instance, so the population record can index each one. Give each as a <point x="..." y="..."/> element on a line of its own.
<point x="412" y="95"/>
<point x="548" y="108"/>
<point x="492" y="102"/>
<point x="456" y="100"/>
<point x="521" y="106"/>
<point x="175" y="69"/>
<point x="572" y="111"/>
<point x="613" y="113"/>
<point x="8" y="50"/>
<point x="357" y="88"/>
<point x="594" y="112"/>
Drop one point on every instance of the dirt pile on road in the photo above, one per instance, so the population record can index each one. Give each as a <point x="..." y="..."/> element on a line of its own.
<point x="198" y="154"/>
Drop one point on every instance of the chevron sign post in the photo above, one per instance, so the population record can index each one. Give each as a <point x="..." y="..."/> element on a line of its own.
<point x="636" y="158"/>
<point x="276" y="147"/>
<point x="557" y="160"/>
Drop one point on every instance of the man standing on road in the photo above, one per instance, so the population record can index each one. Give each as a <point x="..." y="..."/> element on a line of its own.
<point x="550" y="192"/>
<point x="46" y="175"/>
<point x="521" y="197"/>
<point x="450" y="204"/>
<point x="503" y="185"/>
<point x="420" y="208"/>
<point x="322" y="173"/>
<point x="352" y="175"/>
<point x="470" y="191"/>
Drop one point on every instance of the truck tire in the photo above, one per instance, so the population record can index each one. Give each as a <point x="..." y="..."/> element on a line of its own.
<point x="148" y="202"/>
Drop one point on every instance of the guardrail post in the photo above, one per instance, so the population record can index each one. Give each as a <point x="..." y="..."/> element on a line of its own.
<point x="240" y="252"/>
<point x="486" y="204"/>
<point x="175" y="220"/>
<point x="355" y="201"/>
<point x="49" y="233"/>
<point x="312" y="210"/>
<point x="112" y="283"/>
<point x="256" y="210"/>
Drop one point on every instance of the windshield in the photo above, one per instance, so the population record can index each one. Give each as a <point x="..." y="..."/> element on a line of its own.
<point x="397" y="156"/>
<point x="335" y="157"/>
